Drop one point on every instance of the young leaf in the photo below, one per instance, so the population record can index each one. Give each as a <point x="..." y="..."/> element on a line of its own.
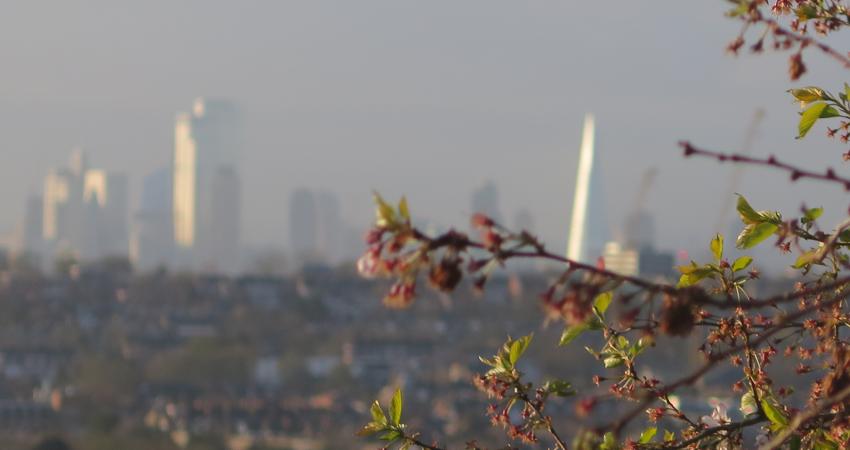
<point x="609" y="442"/>
<point x="572" y="332"/>
<point x="807" y="94"/>
<point x="774" y="415"/>
<point x="559" y="388"/>
<point x="742" y="263"/>
<point x="602" y="301"/>
<point x="805" y="259"/>
<point x="753" y="234"/>
<point x="384" y="213"/>
<point x="717" y="247"/>
<point x="370" y="428"/>
<point x="518" y="347"/>
<point x="809" y="117"/>
<point x="395" y="407"/>
<point x="647" y="435"/>
<point x="391" y="435"/>
<point x="402" y="209"/>
<point x="828" y="112"/>
<point x="748" y="404"/>
<point x="694" y="276"/>
<point x="378" y="414"/>
<point x="669" y="436"/>
<point x="811" y="215"/>
<point x="748" y="214"/>
<point x="612" y="361"/>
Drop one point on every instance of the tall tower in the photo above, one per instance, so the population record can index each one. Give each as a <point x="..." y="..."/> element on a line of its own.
<point x="205" y="142"/>
<point x="588" y="227"/>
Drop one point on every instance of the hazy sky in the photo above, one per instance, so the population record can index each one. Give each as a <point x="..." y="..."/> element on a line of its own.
<point x="427" y="98"/>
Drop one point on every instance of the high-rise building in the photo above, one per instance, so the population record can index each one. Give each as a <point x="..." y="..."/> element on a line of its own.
<point x="205" y="141"/>
<point x="105" y="220"/>
<point x="331" y="229"/>
<point x="63" y="213"/>
<point x="152" y="242"/>
<point x="31" y="228"/>
<point x="223" y="248"/>
<point x="588" y="226"/>
<point x="485" y="200"/>
<point x="639" y="230"/>
<point x="303" y="225"/>
<point x="84" y="211"/>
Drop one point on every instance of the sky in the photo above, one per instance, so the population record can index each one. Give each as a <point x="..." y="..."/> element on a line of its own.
<point x="424" y="98"/>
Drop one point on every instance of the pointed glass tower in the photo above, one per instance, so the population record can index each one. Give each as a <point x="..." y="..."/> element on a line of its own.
<point x="588" y="226"/>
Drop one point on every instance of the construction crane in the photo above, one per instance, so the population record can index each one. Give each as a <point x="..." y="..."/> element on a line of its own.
<point x="738" y="172"/>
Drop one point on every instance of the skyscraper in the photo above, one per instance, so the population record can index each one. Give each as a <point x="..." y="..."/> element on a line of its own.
<point x="84" y="211"/>
<point x="303" y="225"/>
<point x="152" y="242"/>
<point x="105" y="219"/>
<point x="205" y="141"/>
<point x="588" y="227"/>
<point x="222" y="252"/>
<point x="31" y="229"/>
<point x="63" y="213"/>
<point x="330" y="227"/>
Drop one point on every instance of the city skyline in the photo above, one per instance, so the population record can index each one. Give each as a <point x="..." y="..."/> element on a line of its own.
<point x="333" y="103"/>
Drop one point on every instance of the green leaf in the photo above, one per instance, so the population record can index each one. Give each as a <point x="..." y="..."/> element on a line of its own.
<point x="829" y="112"/>
<point x="748" y="214"/>
<point x="806" y="12"/>
<point x="824" y="443"/>
<point x="753" y="234"/>
<point x="811" y="215"/>
<point x="639" y="346"/>
<point x="559" y="388"/>
<point x="609" y="442"/>
<point x="748" y="404"/>
<point x="695" y="276"/>
<point x="602" y="301"/>
<point x="378" y="413"/>
<point x="805" y="259"/>
<point x="370" y="428"/>
<point x="807" y="94"/>
<point x="847" y="90"/>
<point x="809" y="117"/>
<point x="572" y="332"/>
<point x="402" y="209"/>
<point x="612" y="361"/>
<point x="391" y="435"/>
<point x="774" y="415"/>
<point x="647" y="435"/>
<point x="395" y="407"/>
<point x="669" y="436"/>
<point x="742" y="263"/>
<point x="717" y="247"/>
<point x="384" y="213"/>
<point x="518" y="347"/>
